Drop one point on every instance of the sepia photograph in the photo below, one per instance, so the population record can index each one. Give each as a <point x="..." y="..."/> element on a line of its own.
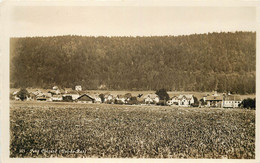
<point x="132" y="81"/>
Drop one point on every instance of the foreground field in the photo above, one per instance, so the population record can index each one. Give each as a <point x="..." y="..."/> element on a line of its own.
<point x="90" y="130"/>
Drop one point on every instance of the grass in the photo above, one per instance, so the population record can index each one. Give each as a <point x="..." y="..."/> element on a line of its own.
<point x="40" y="129"/>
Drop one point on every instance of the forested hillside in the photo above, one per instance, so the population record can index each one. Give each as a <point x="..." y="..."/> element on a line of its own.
<point x="199" y="62"/>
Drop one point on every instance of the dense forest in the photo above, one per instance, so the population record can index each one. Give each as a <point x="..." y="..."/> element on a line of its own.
<point x="198" y="62"/>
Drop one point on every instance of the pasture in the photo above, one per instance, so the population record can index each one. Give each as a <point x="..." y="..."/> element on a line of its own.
<point x="42" y="129"/>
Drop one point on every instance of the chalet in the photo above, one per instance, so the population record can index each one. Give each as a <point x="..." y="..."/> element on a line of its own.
<point x="214" y="101"/>
<point x="231" y="101"/>
<point x="108" y="98"/>
<point x="151" y="99"/>
<point x="185" y="100"/>
<point x="173" y="101"/>
<point x="85" y="99"/>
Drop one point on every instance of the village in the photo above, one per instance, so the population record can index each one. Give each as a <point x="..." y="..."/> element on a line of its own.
<point x="77" y="95"/>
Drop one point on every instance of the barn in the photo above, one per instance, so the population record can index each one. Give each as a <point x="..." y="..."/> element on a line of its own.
<point x="85" y="99"/>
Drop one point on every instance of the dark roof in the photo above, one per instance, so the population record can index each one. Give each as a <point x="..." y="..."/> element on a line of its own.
<point x="83" y="97"/>
<point x="214" y="98"/>
<point x="233" y="98"/>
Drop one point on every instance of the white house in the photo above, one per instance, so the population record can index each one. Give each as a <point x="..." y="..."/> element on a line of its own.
<point x="108" y="98"/>
<point x="231" y="101"/>
<point x="181" y="100"/>
<point x="173" y="101"/>
<point x="78" y="88"/>
<point x="151" y="99"/>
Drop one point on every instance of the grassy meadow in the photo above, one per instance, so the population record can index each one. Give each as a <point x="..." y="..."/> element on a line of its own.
<point x="42" y="129"/>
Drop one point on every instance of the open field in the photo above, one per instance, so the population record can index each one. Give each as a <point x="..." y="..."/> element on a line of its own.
<point x="41" y="129"/>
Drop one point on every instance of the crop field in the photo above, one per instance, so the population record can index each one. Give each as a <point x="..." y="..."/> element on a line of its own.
<point x="42" y="129"/>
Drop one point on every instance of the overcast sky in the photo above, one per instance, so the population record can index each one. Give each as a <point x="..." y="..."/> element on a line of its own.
<point x="129" y="21"/>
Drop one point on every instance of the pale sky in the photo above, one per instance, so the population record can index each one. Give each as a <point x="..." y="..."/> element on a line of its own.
<point x="129" y="21"/>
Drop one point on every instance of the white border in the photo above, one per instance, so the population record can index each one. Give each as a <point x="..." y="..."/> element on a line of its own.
<point x="5" y="11"/>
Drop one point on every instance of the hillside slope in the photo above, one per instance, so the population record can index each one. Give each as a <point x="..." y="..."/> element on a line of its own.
<point x="199" y="62"/>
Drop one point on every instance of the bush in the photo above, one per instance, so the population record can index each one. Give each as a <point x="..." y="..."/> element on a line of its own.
<point x="163" y="95"/>
<point x="23" y="94"/>
<point x="196" y="102"/>
<point x="248" y="103"/>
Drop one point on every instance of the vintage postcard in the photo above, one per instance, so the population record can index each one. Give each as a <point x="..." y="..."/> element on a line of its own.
<point x="129" y="81"/>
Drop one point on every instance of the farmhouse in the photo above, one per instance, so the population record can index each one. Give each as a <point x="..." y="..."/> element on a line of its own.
<point x="231" y="101"/>
<point x="181" y="100"/>
<point x="214" y="101"/>
<point x="85" y="99"/>
<point x="108" y="98"/>
<point x="185" y="100"/>
<point x="151" y="99"/>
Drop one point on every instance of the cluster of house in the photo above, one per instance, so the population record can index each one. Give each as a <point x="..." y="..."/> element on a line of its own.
<point x="77" y="95"/>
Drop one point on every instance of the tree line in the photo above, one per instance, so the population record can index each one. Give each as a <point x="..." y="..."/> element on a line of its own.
<point x="197" y="62"/>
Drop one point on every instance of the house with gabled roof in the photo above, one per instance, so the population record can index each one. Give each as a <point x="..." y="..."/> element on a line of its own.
<point x="214" y="101"/>
<point x="109" y="98"/>
<point x="231" y="101"/>
<point x="173" y="101"/>
<point x="185" y="100"/>
<point x="151" y="98"/>
<point x="85" y="99"/>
